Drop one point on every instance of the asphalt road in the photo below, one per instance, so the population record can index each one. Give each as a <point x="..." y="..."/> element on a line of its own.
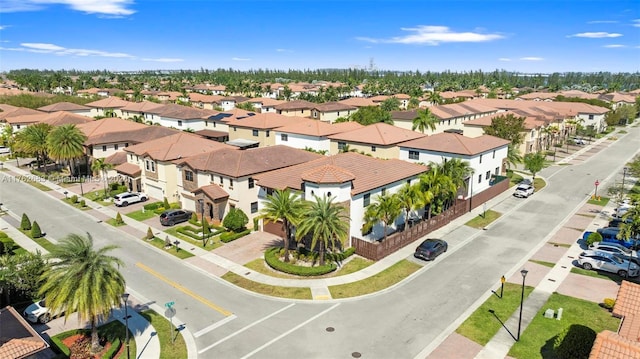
<point x="402" y="322"/>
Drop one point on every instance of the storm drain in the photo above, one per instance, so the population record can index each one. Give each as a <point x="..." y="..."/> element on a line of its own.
<point x="356" y="354"/>
<point x="330" y="329"/>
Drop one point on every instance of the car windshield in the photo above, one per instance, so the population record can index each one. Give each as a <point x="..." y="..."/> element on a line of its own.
<point x="617" y="259"/>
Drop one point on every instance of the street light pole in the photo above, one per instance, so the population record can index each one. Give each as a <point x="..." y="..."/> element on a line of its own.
<point x="125" y="297"/>
<point x="524" y="275"/>
<point x="624" y="175"/>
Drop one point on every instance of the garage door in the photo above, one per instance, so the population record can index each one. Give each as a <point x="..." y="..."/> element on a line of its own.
<point x="154" y="192"/>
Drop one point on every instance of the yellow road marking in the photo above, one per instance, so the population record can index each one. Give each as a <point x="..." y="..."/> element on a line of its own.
<point x="184" y="290"/>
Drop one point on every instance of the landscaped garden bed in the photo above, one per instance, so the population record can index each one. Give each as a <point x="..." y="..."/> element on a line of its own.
<point x="77" y="343"/>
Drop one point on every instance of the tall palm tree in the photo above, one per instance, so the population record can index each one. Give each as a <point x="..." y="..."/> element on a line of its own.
<point x="630" y="227"/>
<point x="65" y="143"/>
<point x="83" y="280"/>
<point x="435" y="98"/>
<point x="33" y="140"/>
<point x="439" y="185"/>
<point x="385" y="209"/>
<point x="425" y="120"/>
<point x="410" y="198"/>
<point x="458" y="170"/>
<point x="326" y="222"/>
<point x="513" y="156"/>
<point x="102" y="167"/>
<point x="285" y="206"/>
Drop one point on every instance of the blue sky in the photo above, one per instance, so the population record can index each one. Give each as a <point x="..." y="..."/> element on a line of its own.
<point x="457" y="35"/>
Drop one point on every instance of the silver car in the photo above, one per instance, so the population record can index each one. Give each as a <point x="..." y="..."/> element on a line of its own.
<point x="523" y="191"/>
<point x="608" y="262"/>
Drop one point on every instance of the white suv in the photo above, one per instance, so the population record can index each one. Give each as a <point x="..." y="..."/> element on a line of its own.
<point x="608" y="262"/>
<point x="619" y="249"/>
<point x="523" y="190"/>
<point x="37" y="313"/>
<point x="127" y="198"/>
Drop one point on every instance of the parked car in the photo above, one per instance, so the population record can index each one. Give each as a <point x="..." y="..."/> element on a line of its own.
<point x="618" y="249"/>
<point x="523" y="191"/>
<point x="37" y="312"/>
<point x="608" y="262"/>
<point x="617" y="222"/>
<point x="173" y="216"/>
<point x="430" y="249"/>
<point x="126" y="198"/>
<point x="5" y="150"/>
<point x="528" y="181"/>
<point x="579" y="141"/>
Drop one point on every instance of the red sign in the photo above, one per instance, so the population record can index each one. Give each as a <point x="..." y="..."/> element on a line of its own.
<point x="597" y="183"/>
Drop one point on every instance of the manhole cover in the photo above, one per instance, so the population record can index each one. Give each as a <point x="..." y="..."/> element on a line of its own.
<point x="330" y="329"/>
<point x="356" y="354"/>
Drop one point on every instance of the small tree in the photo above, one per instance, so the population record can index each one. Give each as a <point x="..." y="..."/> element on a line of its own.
<point x="534" y="162"/>
<point x="74" y="199"/>
<point x="119" y="219"/>
<point x="194" y="217"/>
<point x="25" y="224"/>
<point x="35" y="230"/>
<point x="166" y="204"/>
<point x="149" y="233"/>
<point x="235" y="220"/>
<point x="594" y="237"/>
<point x="83" y="203"/>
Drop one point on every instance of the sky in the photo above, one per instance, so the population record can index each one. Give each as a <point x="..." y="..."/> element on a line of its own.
<point x="526" y="36"/>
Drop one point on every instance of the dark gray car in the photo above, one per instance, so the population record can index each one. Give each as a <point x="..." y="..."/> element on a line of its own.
<point x="173" y="216"/>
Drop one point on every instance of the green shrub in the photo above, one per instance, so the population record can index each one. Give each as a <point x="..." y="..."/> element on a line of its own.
<point x="594" y="237"/>
<point x="113" y="349"/>
<point x="227" y="237"/>
<point x="35" y="230"/>
<point x="609" y="303"/>
<point x="3" y="235"/>
<point x="271" y="256"/>
<point x="574" y="342"/>
<point x="25" y="223"/>
<point x="119" y="219"/>
<point x="149" y="233"/>
<point x="58" y="346"/>
<point x="205" y="226"/>
<point x="166" y="204"/>
<point x="256" y="224"/>
<point x="152" y="206"/>
<point x="74" y="199"/>
<point x="235" y="220"/>
<point x="83" y="203"/>
<point x="194" y="219"/>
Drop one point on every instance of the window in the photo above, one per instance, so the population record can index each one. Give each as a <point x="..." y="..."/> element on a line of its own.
<point x="251" y="183"/>
<point x="255" y="133"/>
<point x="267" y="133"/>
<point x="497" y="171"/>
<point x="494" y="153"/>
<point x="235" y="129"/>
<point x="269" y="191"/>
<point x="414" y="155"/>
<point x="384" y="191"/>
<point x="487" y="175"/>
<point x="153" y="166"/>
<point x="179" y="123"/>
<point x="591" y="117"/>
<point x="373" y="148"/>
<point x="341" y="146"/>
<point x="214" y="124"/>
<point x="230" y="183"/>
<point x="480" y="158"/>
<point x="479" y="178"/>
<point x="284" y="137"/>
<point x="206" y="123"/>
<point x="211" y="178"/>
<point x="221" y="181"/>
<point x="115" y="147"/>
<point x="147" y="166"/>
<point x="126" y="144"/>
<point x="131" y="157"/>
<point x="366" y="200"/>
<point x="188" y="176"/>
<point x="104" y="148"/>
<point x="254" y="207"/>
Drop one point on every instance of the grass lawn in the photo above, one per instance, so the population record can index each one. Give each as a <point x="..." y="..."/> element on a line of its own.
<point x="97" y="196"/>
<point x="38" y="185"/>
<point x="276" y="291"/>
<point x="382" y="280"/>
<point x="212" y="243"/>
<point x="112" y="221"/>
<point x="536" y="341"/>
<point x="602" y="202"/>
<point x="168" y="349"/>
<point x="480" y="222"/>
<point x="546" y="264"/>
<point x="77" y="205"/>
<point x="141" y="215"/>
<point x="42" y="241"/>
<point x="482" y="325"/>
<point x="539" y="183"/>
<point x="159" y="243"/>
<point x="514" y="178"/>
<point x="353" y="265"/>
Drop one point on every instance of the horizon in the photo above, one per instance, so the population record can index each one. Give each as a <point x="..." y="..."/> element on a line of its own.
<point x="462" y="36"/>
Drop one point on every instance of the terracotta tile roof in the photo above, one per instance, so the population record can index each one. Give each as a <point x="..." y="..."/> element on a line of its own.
<point x="143" y="106"/>
<point x="334" y="107"/>
<point x="378" y="134"/>
<point x="456" y="94"/>
<point x="107" y="125"/>
<point x="64" y="106"/>
<point x="117" y="158"/>
<point x="530" y="122"/>
<point x="65" y="118"/>
<point x="198" y="97"/>
<point x="212" y="191"/>
<point x="610" y="345"/>
<point x="109" y="102"/>
<point x="455" y="143"/>
<point x="327" y="174"/>
<point x="18" y="111"/>
<point x="359" y="102"/>
<point x="379" y="98"/>
<point x="461" y="109"/>
<point x="318" y="128"/>
<point x="265" y="101"/>
<point x="404" y="115"/>
<point x="7" y="108"/>
<point x="369" y="172"/>
<point x="211" y="133"/>
<point x="129" y="169"/>
<point x="268" y="120"/>
<point x="176" y="146"/>
<point x="17" y="338"/>
<point x="182" y="112"/>
<point x="578" y="94"/>
<point x="238" y="163"/>
<point x="295" y="105"/>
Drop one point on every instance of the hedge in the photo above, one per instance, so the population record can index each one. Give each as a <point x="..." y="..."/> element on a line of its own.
<point x="271" y="257"/>
<point x="57" y="344"/>
<point x="193" y="233"/>
<point x="227" y="237"/>
<point x="113" y="349"/>
<point x="152" y="206"/>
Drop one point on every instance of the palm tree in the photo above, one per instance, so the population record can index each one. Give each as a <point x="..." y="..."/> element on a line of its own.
<point x="285" y="206"/>
<point x="458" y="170"/>
<point x="439" y="186"/>
<point x="409" y="198"/>
<point x="66" y="143"/>
<point x="327" y="223"/>
<point x="385" y="209"/>
<point x="33" y="140"/>
<point x="435" y="98"/>
<point x="83" y="280"/>
<point x="513" y="156"/>
<point x="102" y="167"/>
<point x="425" y="120"/>
<point x="630" y="227"/>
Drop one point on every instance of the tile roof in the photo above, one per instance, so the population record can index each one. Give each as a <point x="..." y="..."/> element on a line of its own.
<point x="379" y="98"/>
<point x="378" y="134"/>
<point x="319" y="128"/>
<point x="461" y="109"/>
<point x="327" y="174"/>
<point x="64" y="106"/>
<point x="17" y="338"/>
<point x="17" y="111"/>
<point x="359" y="102"/>
<point x="530" y="122"/>
<point x="267" y="120"/>
<point x="334" y="107"/>
<point x="109" y="124"/>
<point x="369" y="172"/>
<point x="212" y="191"/>
<point x="211" y="133"/>
<point x="265" y="101"/>
<point x="455" y="143"/>
<point x="198" y="97"/>
<point x="109" y="102"/>
<point x="129" y="169"/>
<point x="610" y="345"/>
<point x="52" y="118"/>
<point x="176" y="146"/>
<point x="143" y="106"/>
<point x="295" y="105"/>
<point x="182" y="112"/>
<point x="238" y="163"/>
<point x="117" y="158"/>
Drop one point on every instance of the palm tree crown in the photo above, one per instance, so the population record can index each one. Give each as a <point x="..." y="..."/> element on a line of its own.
<point x="425" y="120"/>
<point x="285" y="206"/>
<point x="66" y="143"/>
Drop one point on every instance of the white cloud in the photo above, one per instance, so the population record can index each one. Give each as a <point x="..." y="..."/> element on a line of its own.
<point x="164" y="59"/>
<point x="283" y="50"/>
<point x="531" y="58"/>
<point x="240" y="59"/>
<point x="505" y="59"/>
<point x="104" y="7"/>
<point x="635" y="23"/>
<point x="433" y="35"/>
<point x="614" y="46"/>
<point x="602" y="22"/>
<point x="2" y="27"/>
<point x="59" y="50"/>
<point x="596" y="35"/>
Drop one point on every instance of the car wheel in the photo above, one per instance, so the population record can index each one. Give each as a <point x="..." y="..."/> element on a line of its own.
<point x="44" y="318"/>
<point x="622" y="273"/>
<point x="124" y="204"/>
<point x="171" y="223"/>
<point x="587" y="266"/>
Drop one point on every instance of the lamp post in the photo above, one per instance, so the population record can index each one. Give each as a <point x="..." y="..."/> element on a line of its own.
<point x="125" y="297"/>
<point x="201" y="203"/>
<point x="624" y="175"/>
<point x="502" y="280"/>
<point x="524" y="276"/>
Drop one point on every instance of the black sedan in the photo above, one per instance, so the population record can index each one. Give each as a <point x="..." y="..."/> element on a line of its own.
<point x="430" y="249"/>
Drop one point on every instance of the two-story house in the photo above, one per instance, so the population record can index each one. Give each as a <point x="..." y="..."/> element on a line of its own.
<point x="379" y="140"/>
<point x="67" y="107"/>
<point x="260" y="127"/>
<point x="180" y="117"/>
<point x="312" y="134"/>
<point x="107" y="107"/>
<point x="296" y="108"/>
<point x="331" y="111"/>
